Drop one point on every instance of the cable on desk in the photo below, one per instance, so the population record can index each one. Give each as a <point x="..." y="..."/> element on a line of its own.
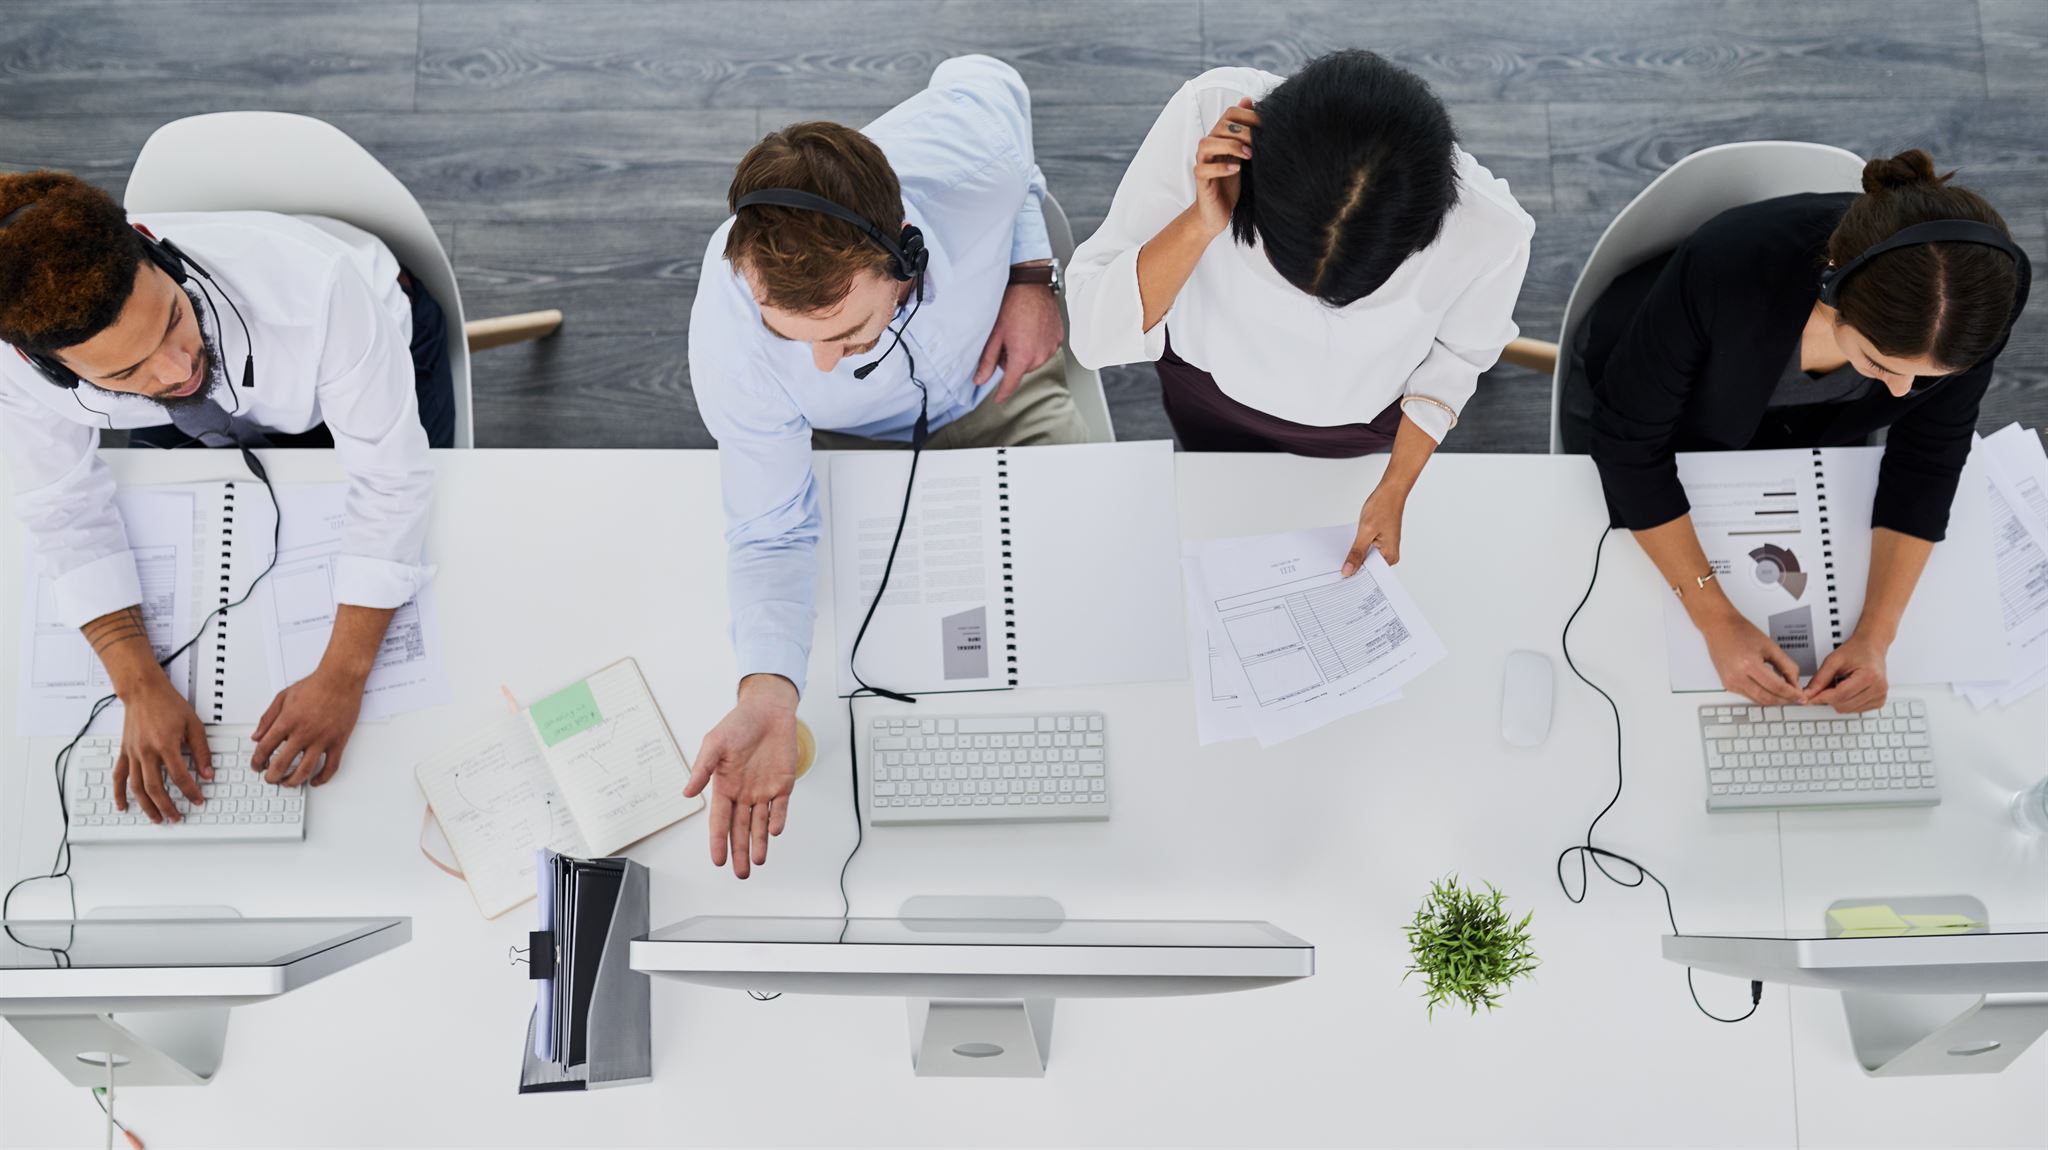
<point x="60" y="865"/>
<point x="1598" y="856"/>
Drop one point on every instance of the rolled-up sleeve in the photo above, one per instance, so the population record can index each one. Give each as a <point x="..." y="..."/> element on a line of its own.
<point x="1468" y="342"/>
<point x="366" y="393"/>
<point x="1107" y="312"/>
<point x="64" y="496"/>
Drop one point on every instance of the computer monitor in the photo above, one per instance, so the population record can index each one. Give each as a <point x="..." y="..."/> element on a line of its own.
<point x="148" y="998"/>
<point x="1929" y="986"/>
<point x="981" y="987"/>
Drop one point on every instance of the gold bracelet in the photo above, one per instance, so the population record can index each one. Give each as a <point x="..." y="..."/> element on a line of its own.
<point x="1699" y="583"/>
<point x="1439" y="404"/>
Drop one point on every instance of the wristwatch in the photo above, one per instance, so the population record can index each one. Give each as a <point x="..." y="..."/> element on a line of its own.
<point x="1049" y="274"/>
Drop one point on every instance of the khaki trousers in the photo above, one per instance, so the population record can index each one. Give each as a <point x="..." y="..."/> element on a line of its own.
<point x="1040" y="412"/>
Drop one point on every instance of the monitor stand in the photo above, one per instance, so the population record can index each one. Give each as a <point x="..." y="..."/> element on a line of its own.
<point x="1911" y="1035"/>
<point x="981" y="1037"/>
<point x="144" y="1048"/>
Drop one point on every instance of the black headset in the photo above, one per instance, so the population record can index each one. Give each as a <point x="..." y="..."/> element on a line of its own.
<point x="1931" y="232"/>
<point x="173" y="262"/>
<point x="907" y="255"/>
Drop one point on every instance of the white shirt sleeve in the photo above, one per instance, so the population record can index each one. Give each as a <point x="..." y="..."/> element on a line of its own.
<point x="366" y="397"/>
<point x="64" y="495"/>
<point x="1468" y="342"/>
<point x="1106" y="312"/>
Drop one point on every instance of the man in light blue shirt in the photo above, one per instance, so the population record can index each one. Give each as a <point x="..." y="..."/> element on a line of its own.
<point x="786" y="352"/>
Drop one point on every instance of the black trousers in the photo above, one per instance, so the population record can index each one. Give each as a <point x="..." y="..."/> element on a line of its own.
<point x="433" y="384"/>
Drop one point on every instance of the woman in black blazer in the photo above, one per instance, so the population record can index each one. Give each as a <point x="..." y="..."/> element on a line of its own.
<point x="1729" y="343"/>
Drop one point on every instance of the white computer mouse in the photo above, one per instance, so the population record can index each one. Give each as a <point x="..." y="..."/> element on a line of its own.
<point x="1526" y="684"/>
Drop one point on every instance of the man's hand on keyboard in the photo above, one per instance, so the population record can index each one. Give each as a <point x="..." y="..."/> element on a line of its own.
<point x="1852" y="677"/>
<point x="1749" y="663"/>
<point x="752" y="755"/>
<point x="157" y="728"/>
<point x="310" y="722"/>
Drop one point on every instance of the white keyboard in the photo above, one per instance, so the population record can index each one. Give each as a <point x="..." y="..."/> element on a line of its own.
<point x="239" y="805"/>
<point x="1779" y="757"/>
<point x="987" y="769"/>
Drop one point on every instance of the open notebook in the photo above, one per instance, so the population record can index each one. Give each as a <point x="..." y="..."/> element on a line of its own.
<point x="1788" y="535"/>
<point x="198" y="547"/>
<point x="586" y="771"/>
<point x="1019" y="567"/>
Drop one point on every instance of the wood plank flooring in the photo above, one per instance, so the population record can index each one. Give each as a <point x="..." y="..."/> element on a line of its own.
<point x="575" y="153"/>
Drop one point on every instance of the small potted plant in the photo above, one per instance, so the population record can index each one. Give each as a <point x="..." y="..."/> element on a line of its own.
<point x="1466" y="947"/>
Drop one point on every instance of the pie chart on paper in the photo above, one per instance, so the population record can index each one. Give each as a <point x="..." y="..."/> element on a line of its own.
<point x="1778" y="567"/>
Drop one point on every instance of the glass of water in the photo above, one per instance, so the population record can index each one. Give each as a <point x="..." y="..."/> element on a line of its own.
<point x="2030" y="808"/>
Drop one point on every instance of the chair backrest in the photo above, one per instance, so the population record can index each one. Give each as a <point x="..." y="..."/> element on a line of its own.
<point x="280" y="162"/>
<point x="1688" y="194"/>
<point x="1083" y="383"/>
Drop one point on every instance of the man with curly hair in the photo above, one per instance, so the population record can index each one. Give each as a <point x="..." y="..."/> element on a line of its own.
<point x="116" y="324"/>
<point x="787" y="351"/>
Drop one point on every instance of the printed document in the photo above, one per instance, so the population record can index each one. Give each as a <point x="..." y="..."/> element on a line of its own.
<point x="61" y="676"/>
<point x="1787" y="534"/>
<point x="1289" y="645"/>
<point x="2017" y="470"/>
<point x="296" y="610"/>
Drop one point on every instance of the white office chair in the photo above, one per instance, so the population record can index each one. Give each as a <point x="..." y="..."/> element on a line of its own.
<point x="1084" y="383"/>
<point x="1687" y="194"/>
<point x="280" y="162"/>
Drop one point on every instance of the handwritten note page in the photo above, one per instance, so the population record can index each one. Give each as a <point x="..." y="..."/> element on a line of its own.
<point x="613" y="757"/>
<point x="497" y="803"/>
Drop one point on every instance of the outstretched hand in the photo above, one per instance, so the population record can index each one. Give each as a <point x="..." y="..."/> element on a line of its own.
<point x="750" y="759"/>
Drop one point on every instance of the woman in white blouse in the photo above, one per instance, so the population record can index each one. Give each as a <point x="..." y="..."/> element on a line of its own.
<point x="1368" y="279"/>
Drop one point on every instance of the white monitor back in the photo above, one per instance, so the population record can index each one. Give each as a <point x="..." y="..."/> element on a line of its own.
<point x="115" y="965"/>
<point x="974" y="957"/>
<point x="1981" y="960"/>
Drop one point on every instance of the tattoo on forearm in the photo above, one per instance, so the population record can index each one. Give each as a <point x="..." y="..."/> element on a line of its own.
<point x="110" y="631"/>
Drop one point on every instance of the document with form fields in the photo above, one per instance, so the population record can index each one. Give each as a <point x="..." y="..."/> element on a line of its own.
<point x="1290" y="643"/>
<point x="1019" y="567"/>
<point x="199" y="547"/>
<point x="1788" y="535"/>
<point x="2017" y="470"/>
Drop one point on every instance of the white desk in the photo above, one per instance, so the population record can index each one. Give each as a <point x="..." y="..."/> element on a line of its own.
<point x="555" y="563"/>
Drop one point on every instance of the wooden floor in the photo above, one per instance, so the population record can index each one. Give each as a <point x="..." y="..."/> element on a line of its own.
<point x="575" y="155"/>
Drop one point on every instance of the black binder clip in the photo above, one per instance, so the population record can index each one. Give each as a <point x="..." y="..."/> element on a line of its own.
<point x="540" y="954"/>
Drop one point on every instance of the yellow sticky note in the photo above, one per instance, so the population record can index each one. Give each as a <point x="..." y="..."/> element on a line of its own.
<point x="1939" y="923"/>
<point x="1868" y="920"/>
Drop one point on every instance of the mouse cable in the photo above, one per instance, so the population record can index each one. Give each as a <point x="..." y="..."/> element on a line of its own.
<point x="1599" y="856"/>
<point x="60" y="865"/>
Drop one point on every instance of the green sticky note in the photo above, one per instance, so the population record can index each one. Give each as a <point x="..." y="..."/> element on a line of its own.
<point x="1939" y="923"/>
<point x="1868" y="920"/>
<point x="565" y="713"/>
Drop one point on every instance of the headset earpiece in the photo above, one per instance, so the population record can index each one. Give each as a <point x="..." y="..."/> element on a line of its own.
<point x="911" y="255"/>
<point x="49" y="368"/>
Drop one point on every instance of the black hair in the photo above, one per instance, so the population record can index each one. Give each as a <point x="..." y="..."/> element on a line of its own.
<point x="1353" y="170"/>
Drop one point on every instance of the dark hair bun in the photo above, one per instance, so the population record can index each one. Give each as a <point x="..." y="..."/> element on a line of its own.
<point x="1905" y="170"/>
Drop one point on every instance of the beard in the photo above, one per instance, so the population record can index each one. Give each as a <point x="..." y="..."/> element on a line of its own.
<point x="210" y="370"/>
